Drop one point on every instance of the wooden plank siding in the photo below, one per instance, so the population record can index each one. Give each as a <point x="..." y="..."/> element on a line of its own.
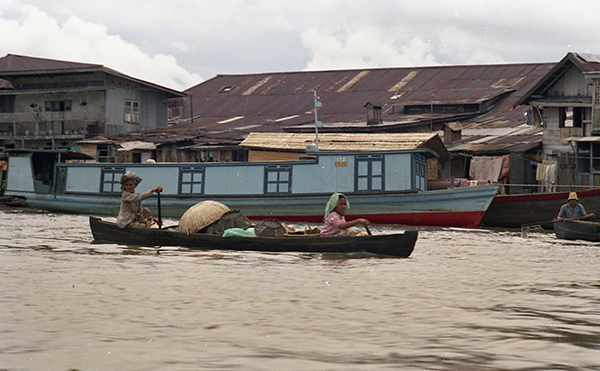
<point x="571" y="84"/>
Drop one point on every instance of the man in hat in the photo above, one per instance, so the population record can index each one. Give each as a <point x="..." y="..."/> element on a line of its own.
<point x="131" y="212"/>
<point x="573" y="209"/>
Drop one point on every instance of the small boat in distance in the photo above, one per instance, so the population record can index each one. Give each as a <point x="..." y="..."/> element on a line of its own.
<point x="398" y="245"/>
<point x="577" y="230"/>
<point x="512" y="211"/>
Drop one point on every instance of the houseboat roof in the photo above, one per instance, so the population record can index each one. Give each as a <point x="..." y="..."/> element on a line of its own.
<point x="328" y="142"/>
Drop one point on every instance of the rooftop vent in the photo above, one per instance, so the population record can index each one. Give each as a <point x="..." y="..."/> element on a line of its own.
<point x="373" y="114"/>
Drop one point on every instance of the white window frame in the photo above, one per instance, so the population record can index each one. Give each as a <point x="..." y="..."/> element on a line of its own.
<point x="132" y="111"/>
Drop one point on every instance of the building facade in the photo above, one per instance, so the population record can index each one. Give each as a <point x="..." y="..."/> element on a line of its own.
<point x="52" y="104"/>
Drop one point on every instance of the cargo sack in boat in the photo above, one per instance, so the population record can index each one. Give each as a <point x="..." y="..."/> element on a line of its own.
<point x="270" y="228"/>
<point x="201" y="215"/>
<point x="239" y="232"/>
<point x="231" y="219"/>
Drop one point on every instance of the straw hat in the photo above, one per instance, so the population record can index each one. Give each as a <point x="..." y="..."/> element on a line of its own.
<point x="573" y="196"/>
<point x="201" y="215"/>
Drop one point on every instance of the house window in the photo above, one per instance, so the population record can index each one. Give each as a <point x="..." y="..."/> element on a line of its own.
<point x="570" y="117"/>
<point x="103" y="153"/>
<point x="57" y="105"/>
<point x="132" y="111"/>
<point x="420" y="173"/>
<point x="369" y="173"/>
<point x="111" y="177"/>
<point x="191" y="180"/>
<point x="278" y="179"/>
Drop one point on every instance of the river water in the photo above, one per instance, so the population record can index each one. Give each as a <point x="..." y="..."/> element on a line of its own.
<point x="464" y="300"/>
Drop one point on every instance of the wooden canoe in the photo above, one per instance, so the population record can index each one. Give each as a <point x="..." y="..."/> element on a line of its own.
<point x="577" y="230"/>
<point x="399" y="244"/>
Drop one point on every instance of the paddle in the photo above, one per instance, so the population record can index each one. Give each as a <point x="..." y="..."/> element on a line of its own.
<point x="368" y="231"/>
<point x="159" y="211"/>
<point x="525" y="227"/>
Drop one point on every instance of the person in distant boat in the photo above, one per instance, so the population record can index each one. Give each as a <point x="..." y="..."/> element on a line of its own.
<point x="335" y="222"/>
<point x="131" y="212"/>
<point x="573" y="209"/>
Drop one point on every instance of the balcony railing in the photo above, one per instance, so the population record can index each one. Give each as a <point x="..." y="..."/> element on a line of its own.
<point x="41" y="117"/>
<point x="27" y="124"/>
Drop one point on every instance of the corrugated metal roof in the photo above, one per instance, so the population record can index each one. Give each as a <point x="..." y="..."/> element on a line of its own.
<point x="498" y="140"/>
<point x="228" y="107"/>
<point x="17" y="65"/>
<point x="21" y="63"/>
<point x="265" y="98"/>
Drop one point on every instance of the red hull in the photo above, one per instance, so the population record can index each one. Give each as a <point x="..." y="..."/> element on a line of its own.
<point x="511" y="211"/>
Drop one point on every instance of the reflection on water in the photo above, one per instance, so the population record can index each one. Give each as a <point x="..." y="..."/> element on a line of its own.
<point x="465" y="300"/>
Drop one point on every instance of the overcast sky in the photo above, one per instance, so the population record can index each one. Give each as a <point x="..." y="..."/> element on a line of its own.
<point x="179" y="44"/>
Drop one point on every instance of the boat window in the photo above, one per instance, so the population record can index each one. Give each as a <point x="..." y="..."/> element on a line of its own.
<point x="191" y="180"/>
<point x="43" y="169"/>
<point x="369" y="173"/>
<point x="278" y="179"/>
<point x="111" y="175"/>
<point x="420" y="173"/>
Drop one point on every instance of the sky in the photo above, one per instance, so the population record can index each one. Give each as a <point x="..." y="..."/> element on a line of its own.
<point x="179" y="44"/>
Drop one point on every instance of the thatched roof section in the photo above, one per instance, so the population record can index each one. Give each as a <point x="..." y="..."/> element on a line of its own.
<point x="330" y="142"/>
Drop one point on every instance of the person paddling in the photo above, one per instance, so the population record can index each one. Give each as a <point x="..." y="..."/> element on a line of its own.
<point x="131" y="212"/>
<point x="335" y="222"/>
<point x="573" y="209"/>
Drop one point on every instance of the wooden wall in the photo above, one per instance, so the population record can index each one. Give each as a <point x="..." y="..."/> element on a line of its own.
<point x="258" y="156"/>
<point x="571" y="84"/>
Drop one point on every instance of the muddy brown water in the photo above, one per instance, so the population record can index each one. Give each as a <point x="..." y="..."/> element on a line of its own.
<point x="465" y="300"/>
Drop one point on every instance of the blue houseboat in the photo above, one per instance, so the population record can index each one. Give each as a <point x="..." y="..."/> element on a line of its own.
<point x="386" y="187"/>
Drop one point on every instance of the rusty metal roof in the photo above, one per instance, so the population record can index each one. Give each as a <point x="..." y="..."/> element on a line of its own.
<point x="227" y="108"/>
<point x="21" y="63"/>
<point x="283" y="101"/>
<point x="498" y="140"/>
<point x="13" y="65"/>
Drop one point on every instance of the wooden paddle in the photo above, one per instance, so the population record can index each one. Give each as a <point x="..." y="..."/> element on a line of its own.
<point x="525" y="227"/>
<point x="368" y="231"/>
<point x="159" y="211"/>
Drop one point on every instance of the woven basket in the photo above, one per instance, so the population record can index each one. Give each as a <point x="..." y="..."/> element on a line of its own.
<point x="201" y="215"/>
<point x="231" y="219"/>
<point x="270" y="228"/>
